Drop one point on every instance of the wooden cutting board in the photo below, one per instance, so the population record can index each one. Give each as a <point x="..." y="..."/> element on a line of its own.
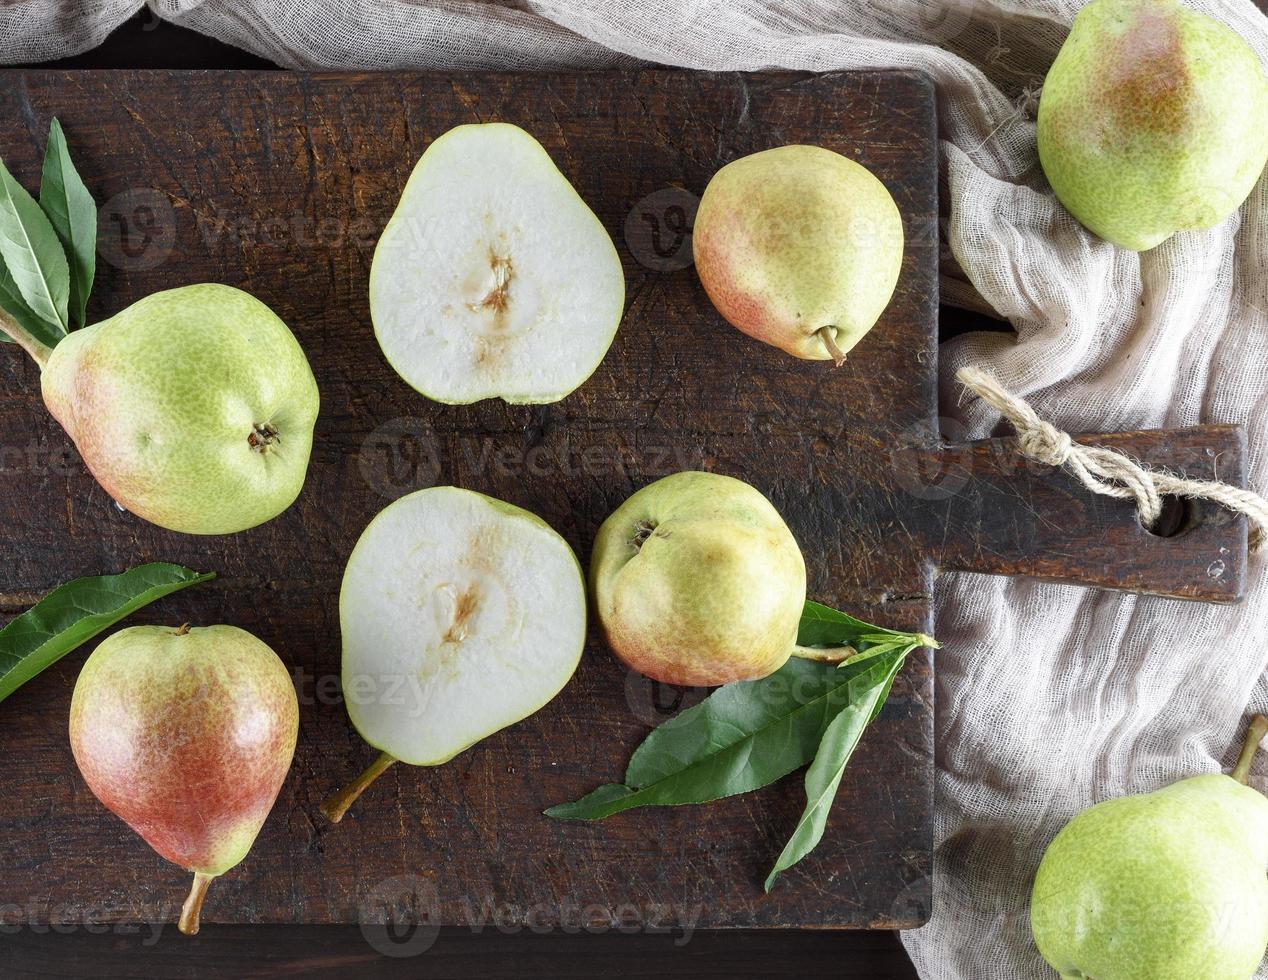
<point x="280" y="183"/>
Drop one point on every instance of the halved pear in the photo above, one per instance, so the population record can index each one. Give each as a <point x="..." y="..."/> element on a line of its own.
<point x="493" y="279"/>
<point x="461" y="614"/>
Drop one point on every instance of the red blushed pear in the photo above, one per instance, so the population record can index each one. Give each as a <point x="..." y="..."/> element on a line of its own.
<point x="187" y="735"/>
<point x="698" y="581"/>
<point x="799" y="247"/>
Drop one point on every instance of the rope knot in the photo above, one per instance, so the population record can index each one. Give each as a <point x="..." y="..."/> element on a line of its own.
<point x="1106" y="471"/>
<point x="1046" y="443"/>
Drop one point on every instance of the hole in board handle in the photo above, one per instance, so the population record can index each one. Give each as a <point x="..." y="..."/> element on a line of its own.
<point x="1176" y="517"/>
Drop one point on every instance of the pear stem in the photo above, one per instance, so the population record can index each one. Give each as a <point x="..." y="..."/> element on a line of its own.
<point x="337" y="803"/>
<point x="25" y="339"/>
<point x="193" y="906"/>
<point x="824" y="655"/>
<point x="1254" y="735"/>
<point x="826" y="334"/>
<point x="836" y="655"/>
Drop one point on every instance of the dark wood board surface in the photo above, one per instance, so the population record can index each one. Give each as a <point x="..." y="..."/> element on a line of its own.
<point x="279" y="183"/>
<point x="488" y="953"/>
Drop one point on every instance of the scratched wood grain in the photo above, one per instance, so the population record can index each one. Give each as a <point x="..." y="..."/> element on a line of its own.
<point x="279" y="183"/>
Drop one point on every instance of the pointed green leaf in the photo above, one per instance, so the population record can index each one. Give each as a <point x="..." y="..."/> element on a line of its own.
<point x="31" y="250"/>
<point x="746" y="735"/>
<point x="595" y="802"/>
<point x="823" y="626"/>
<point x="11" y="302"/>
<point x="73" y="215"/>
<point x="869" y="690"/>
<point x="740" y="738"/>
<point x="76" y="612"/>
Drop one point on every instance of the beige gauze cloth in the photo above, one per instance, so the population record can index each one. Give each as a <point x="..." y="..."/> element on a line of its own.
<point x="1049" y="698"/>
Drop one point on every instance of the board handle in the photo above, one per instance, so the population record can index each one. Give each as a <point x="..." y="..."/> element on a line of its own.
<point x="984" y="507"/>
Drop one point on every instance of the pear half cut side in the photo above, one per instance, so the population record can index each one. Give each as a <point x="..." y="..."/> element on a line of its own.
<point x="461" y="615"/>
<point x="493" y="278"/>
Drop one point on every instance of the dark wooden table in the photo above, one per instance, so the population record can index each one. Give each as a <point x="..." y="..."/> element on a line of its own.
<point x="493" y="951"/>
<point x="122" y="951"/>
<point x="668" y="397"/>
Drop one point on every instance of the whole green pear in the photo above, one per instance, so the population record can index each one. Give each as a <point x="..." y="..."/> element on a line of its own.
<point x="1169" y="885"/>
<point x="799" y="247"/>
<point x="1153" y="119"/>
<point x="698" y="581"/>
<point x="187" y="735"/>
<point x="193" y="408"/>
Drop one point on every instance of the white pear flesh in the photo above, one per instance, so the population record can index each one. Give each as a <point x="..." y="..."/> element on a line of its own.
<point x="493" y="278"/>
<point x="461" y="614"/>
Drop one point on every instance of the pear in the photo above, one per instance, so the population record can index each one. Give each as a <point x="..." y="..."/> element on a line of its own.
<point x="493" y="279"/>
<point x="1168" y="885"/>
<point x="193" y="408"/>
<point x="698" y="581"/>
<point x="1153" y="119"/>
<point x="187" y="735"/>
<point x="461" y="615"/>
<point x="799" y="247"/>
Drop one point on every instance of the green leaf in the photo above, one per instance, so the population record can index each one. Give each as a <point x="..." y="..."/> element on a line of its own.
<point x="593" y="805"/>
<point x="740" y="738"/>
<point x="76" y="612"/>
<point x="33" y="253"/>
<point x="746" y="735"/>
<point x="823" y="626"/>
<point x="11" y="302"/>
<point x="73" y="215"/>
<point x="869" y="690"/>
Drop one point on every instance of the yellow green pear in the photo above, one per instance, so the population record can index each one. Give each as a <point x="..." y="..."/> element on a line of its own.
<point x="799" y="247"/>
<point x="1168" y="885"/>
<point x="1153" y="119"/>
<point x="698" y="581"/>
<point x="193" y="408"/>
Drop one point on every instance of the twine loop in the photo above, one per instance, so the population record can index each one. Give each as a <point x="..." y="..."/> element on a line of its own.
<point x="1106" y="471"/>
